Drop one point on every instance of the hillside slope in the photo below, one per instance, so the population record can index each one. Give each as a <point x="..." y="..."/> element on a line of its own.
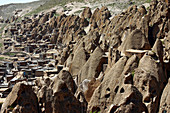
<point x="9" y="10"/>
<point x="88" y="60"/>
<point x="6" y="11"/>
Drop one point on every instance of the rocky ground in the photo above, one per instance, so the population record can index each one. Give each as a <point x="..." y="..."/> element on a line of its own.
<point x="112" y="64"/>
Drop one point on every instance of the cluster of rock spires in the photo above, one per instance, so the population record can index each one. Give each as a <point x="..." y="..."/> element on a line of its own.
<point x="112" y="65"/>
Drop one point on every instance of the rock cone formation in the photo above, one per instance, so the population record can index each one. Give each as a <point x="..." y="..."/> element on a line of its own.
<point x="91" y="63"/>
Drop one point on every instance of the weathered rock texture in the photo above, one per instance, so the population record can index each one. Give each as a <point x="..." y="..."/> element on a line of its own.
<point x="150" y="78"/>
<point x="92" y="67"/>
<point x="22" y="99"/>
<point x="107" y="95"/>
<point x="165" y="99"/>
<point x="57" y="95"/>
<point x="106" y="65"/>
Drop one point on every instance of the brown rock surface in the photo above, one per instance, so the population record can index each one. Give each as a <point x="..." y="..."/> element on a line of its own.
<point x="91" y="41"/>
<point x="167" y="47"/>
<point x="136" y="40"/>
<point x="142" y="10"/>
<point x="57" y="95"/>
<point x="92" y="85"/>
<point x="86" y="13"/>
<point x="43" y="19"/>
<point x="63" y="100"/>
<point x="67" y="78"/>
<point x="165" y="100"/>
<point x="92" y="67"/>
<point x="158" y="49"/>
<point x="159" y="15"/>
<point x="150" y="79"/>
<point x="21" y="100"/>
<point x="128" y="100"/>
<point x="78" y="61"/>
<point x="100" y="16"/>
<point x="45" y="97"/>
<point x="113" y="95"/>
<point x="106" y="64"/>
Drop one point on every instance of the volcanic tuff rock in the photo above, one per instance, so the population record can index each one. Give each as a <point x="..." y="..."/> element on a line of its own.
<point x="136" y="40"/>
<point x="79" y="59"/>
<point x="86" y="13"/>
<point x="158" y="49"/>
<point x="98" y="73"/>
<point x="150" y="79"/>
<point x="64" y="101"/>
<point x="21" y="99"/>
<point x="106" y="96"/>
<point x="67" y="78"/>
<point x="165" y="99"/>
<point x="92" y="85"/>
<point x="92" y="67"/>
<point x="100" y="16"/>
<point x="57" y="95"/>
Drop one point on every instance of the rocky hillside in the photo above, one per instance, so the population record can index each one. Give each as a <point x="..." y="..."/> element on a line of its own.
<point x="112" y="64"/>
<point x="27" y="9"/>
<point x="6" y="11"/>
<point x="17" y="12"/>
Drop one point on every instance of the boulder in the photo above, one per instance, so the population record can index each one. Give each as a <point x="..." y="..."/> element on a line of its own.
<point x="45" y="99"/>
<point x="127" y="100"/>
<point x="92" y="67"/>
<point x="86" y="13"/>
<point x="65" y="54"/>
<point x="142" y="10"/>
<point x="105" y="93"/>
<point x="165" y="100"/>
<point x="131" y="64"/>
<point x="91" y="41"/>
<point x="67" y="78"/>
<point x="150" y="79"/>
<point x="57" y="96"/>
<point x="115" y="41"/>
<point x="113" y="57"/>
<point x="54" y="38"/>
<point x="44" y="19"/>
<point x="79" y="60"/>
<point x="100" y="16"/>
<point x="136" y="40"/>
<point x="92" y="85"/>
<point x="64" y="101"/>
<point x="158" y="49"/>
<point x="84" y="22"/>
<point x="159" y="16"/>
<point x="113" y="95"/>
<point x="21" y="99"/>
<point x="53" y="23"/>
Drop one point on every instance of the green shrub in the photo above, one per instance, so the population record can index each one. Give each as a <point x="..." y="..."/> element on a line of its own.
<point x="133" y="73"/>
<point x="148" y="1"/>
<point x="10" y="54"/>
<point x="1" y="58"/>
<point x="1" y="45"/>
